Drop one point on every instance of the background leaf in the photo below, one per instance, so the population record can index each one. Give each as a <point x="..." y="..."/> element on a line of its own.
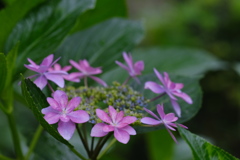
<point x="41" y="32"/>
<point x="3" y="71"/>
<point x="202" y="149"/>
<point x="101" y="13"/>
<point x="102" y="43"/>
<point x="36" y="101"/>
<point x="12" y="14"/>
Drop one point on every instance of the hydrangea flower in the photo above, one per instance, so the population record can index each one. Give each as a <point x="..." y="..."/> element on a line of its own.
<point x="133" y="69"/>
<point x="87" y="71"/>
<point x="43" y="73"/>
<point x="165" y="119"/>
<point x="62" y="112"/>
<point x="115" y="122"/>
<point x="70" y="77"/>
<point x="170" y="88"/>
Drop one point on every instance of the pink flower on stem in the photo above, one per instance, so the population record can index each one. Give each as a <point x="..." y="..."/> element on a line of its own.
<point x="115" y="122"/>
<point x="43" y="73"/>
<point x="165" y="119"/>
<point x="170" y="88"/>
<point x="70" y="77"/>
<point x="62" y="112"/>
<point x="87" y="71"/>
<point x="133" y="69"/>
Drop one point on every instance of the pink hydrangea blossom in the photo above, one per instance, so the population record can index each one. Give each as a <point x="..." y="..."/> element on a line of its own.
<point x="116" y="122"/>
<point x="87" y="71"/>
<point x="165" y="119"/>
<point x="170" y="88"/>
<point x="62" y="112"/>
<point x="43" y="73"/>
<point x="70" y="77"/>
<point x="134" y="69"/>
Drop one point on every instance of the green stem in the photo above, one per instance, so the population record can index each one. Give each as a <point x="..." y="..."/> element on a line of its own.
<point x="107" y="148"/>
<point x="155" y="98"/>
<point x="34" y="141"/>
<point x="92" y="145"/>
<point x="2" y="157"/>
<point x="78" y="154"/>
<point x="15" y="136"/>
<point x="83" y="140"/>
<point x="85" y="82"/>
<point x="126" y="81"/>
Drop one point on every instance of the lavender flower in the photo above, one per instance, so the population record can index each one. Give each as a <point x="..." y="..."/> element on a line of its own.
<point x="62" y="112"/>
<point x="170" y="88"/>
<point x="43" y="73"/>
<point x="116" y="122"/>
<point x="165" y="119"/>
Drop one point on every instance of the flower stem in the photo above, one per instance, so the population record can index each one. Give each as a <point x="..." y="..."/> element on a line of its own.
<point x="107" y="148"/>
<point x="2" y="157"/>
<point x="84" y="141"/>
<point x="78" y="154"/>
<point x="85" y="82"/>
<point x="34" y="141"/>
<point x="15" y="136"/>
<point x="92" y="144"/>
<point x="155" y="98"/>
<point x="50" y="87"/>
<point x="126" y="81"/>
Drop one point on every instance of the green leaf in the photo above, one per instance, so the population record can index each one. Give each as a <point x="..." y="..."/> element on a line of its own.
<point x="37" y="101"/>
<point x="3" y="71"/>
<point x="202" y="149"/>
<point x="191" y="87"/>
<point x="12" y="14"/>
<point x="42" y="31"/>
<point x="102" y="43"/>
<point x="101" y="13"/>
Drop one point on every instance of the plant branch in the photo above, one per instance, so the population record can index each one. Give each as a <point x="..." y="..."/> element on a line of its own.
<point x="107" y="148"/>
<point x="84" y="141"/>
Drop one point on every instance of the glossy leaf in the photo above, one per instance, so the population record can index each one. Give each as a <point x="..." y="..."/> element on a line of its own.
<point x="202" y="149"/>
<point x="41" y="32"/>
<point x="103" y="43"/>
<point x="191" y="87"/>
<point x="36" y="101"/>
<point x="101" y="13"/>
<point x="12" y="14"/>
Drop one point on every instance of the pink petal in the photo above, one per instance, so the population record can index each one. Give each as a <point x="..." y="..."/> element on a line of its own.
<point x="129" y="129"/>
<point x="52" y="117"/>
<point x="154" y="87"/>
<point x="64" y="118"/>
<point x="122" y="65"/>
<point x="48" y="110"/>
<point x="160" y="111"/>
<point x="179" y="86"/>
<point x="97" y="130"/>
<point x="112" y="112"/>
<point x="41" y="81"/>
<point x="33" y="64"/>
<point x="181" y="125"/>
<point x="72" y="77"/>
<point x="47" y="61"/>
<point x="54" y="104"/>
<point x="66" y="129"/>
<point x="103" y="116"/>
<point x="61" y="98"/>
<point x="170" y="117"/>
<point x="138" y="67"/>
<point x="73" y="103"/>
<point x="171" y="135"/>
<point x="184" y="96"/>
<point x="119" y="116"/>
<point x="79" y="116"/>
<point x="151" y="121"/>
<point x="170" y="127"/>
<point x="66" y="68"/>
<point x="151" y="113"/>
<point x="160" y="77"/>
<point x="176" y="107"/>
<point x="99" y="80"/>
<point x="126" y="120"/>
<point x="121" y="135"/>
<point x="128" y="59"/>
<point x="58" y="79"/>
<point x="75" y="64"/>
<point x="31" y="68"/>
<point x="108" y="128"/>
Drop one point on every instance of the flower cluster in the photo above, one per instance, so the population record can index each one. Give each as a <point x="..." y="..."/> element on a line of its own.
<point x="115" y="108"/>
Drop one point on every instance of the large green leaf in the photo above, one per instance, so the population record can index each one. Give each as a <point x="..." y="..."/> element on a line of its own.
<point x="41" y="32"/>
<point x="202" y="149"/>
<point x="12" y="14"/>
<point x="36" y="101"/>
<point x="101" y="13"/>
<point x="191" y="87"/>
<point x="102" y="43"/>
<point x="3" y="71"/>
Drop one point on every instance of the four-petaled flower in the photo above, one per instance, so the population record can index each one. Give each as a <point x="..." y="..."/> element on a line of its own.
<point x="115" y="122"/>
<point x="170" y="88"/>
<point x="62" y="111"/>
<point x="133" y="69"/>
<point x="70" y="77"/>
<point x="87" y="71"/>
<point x="165" y="119"/>
<point x="43" y="73"/>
